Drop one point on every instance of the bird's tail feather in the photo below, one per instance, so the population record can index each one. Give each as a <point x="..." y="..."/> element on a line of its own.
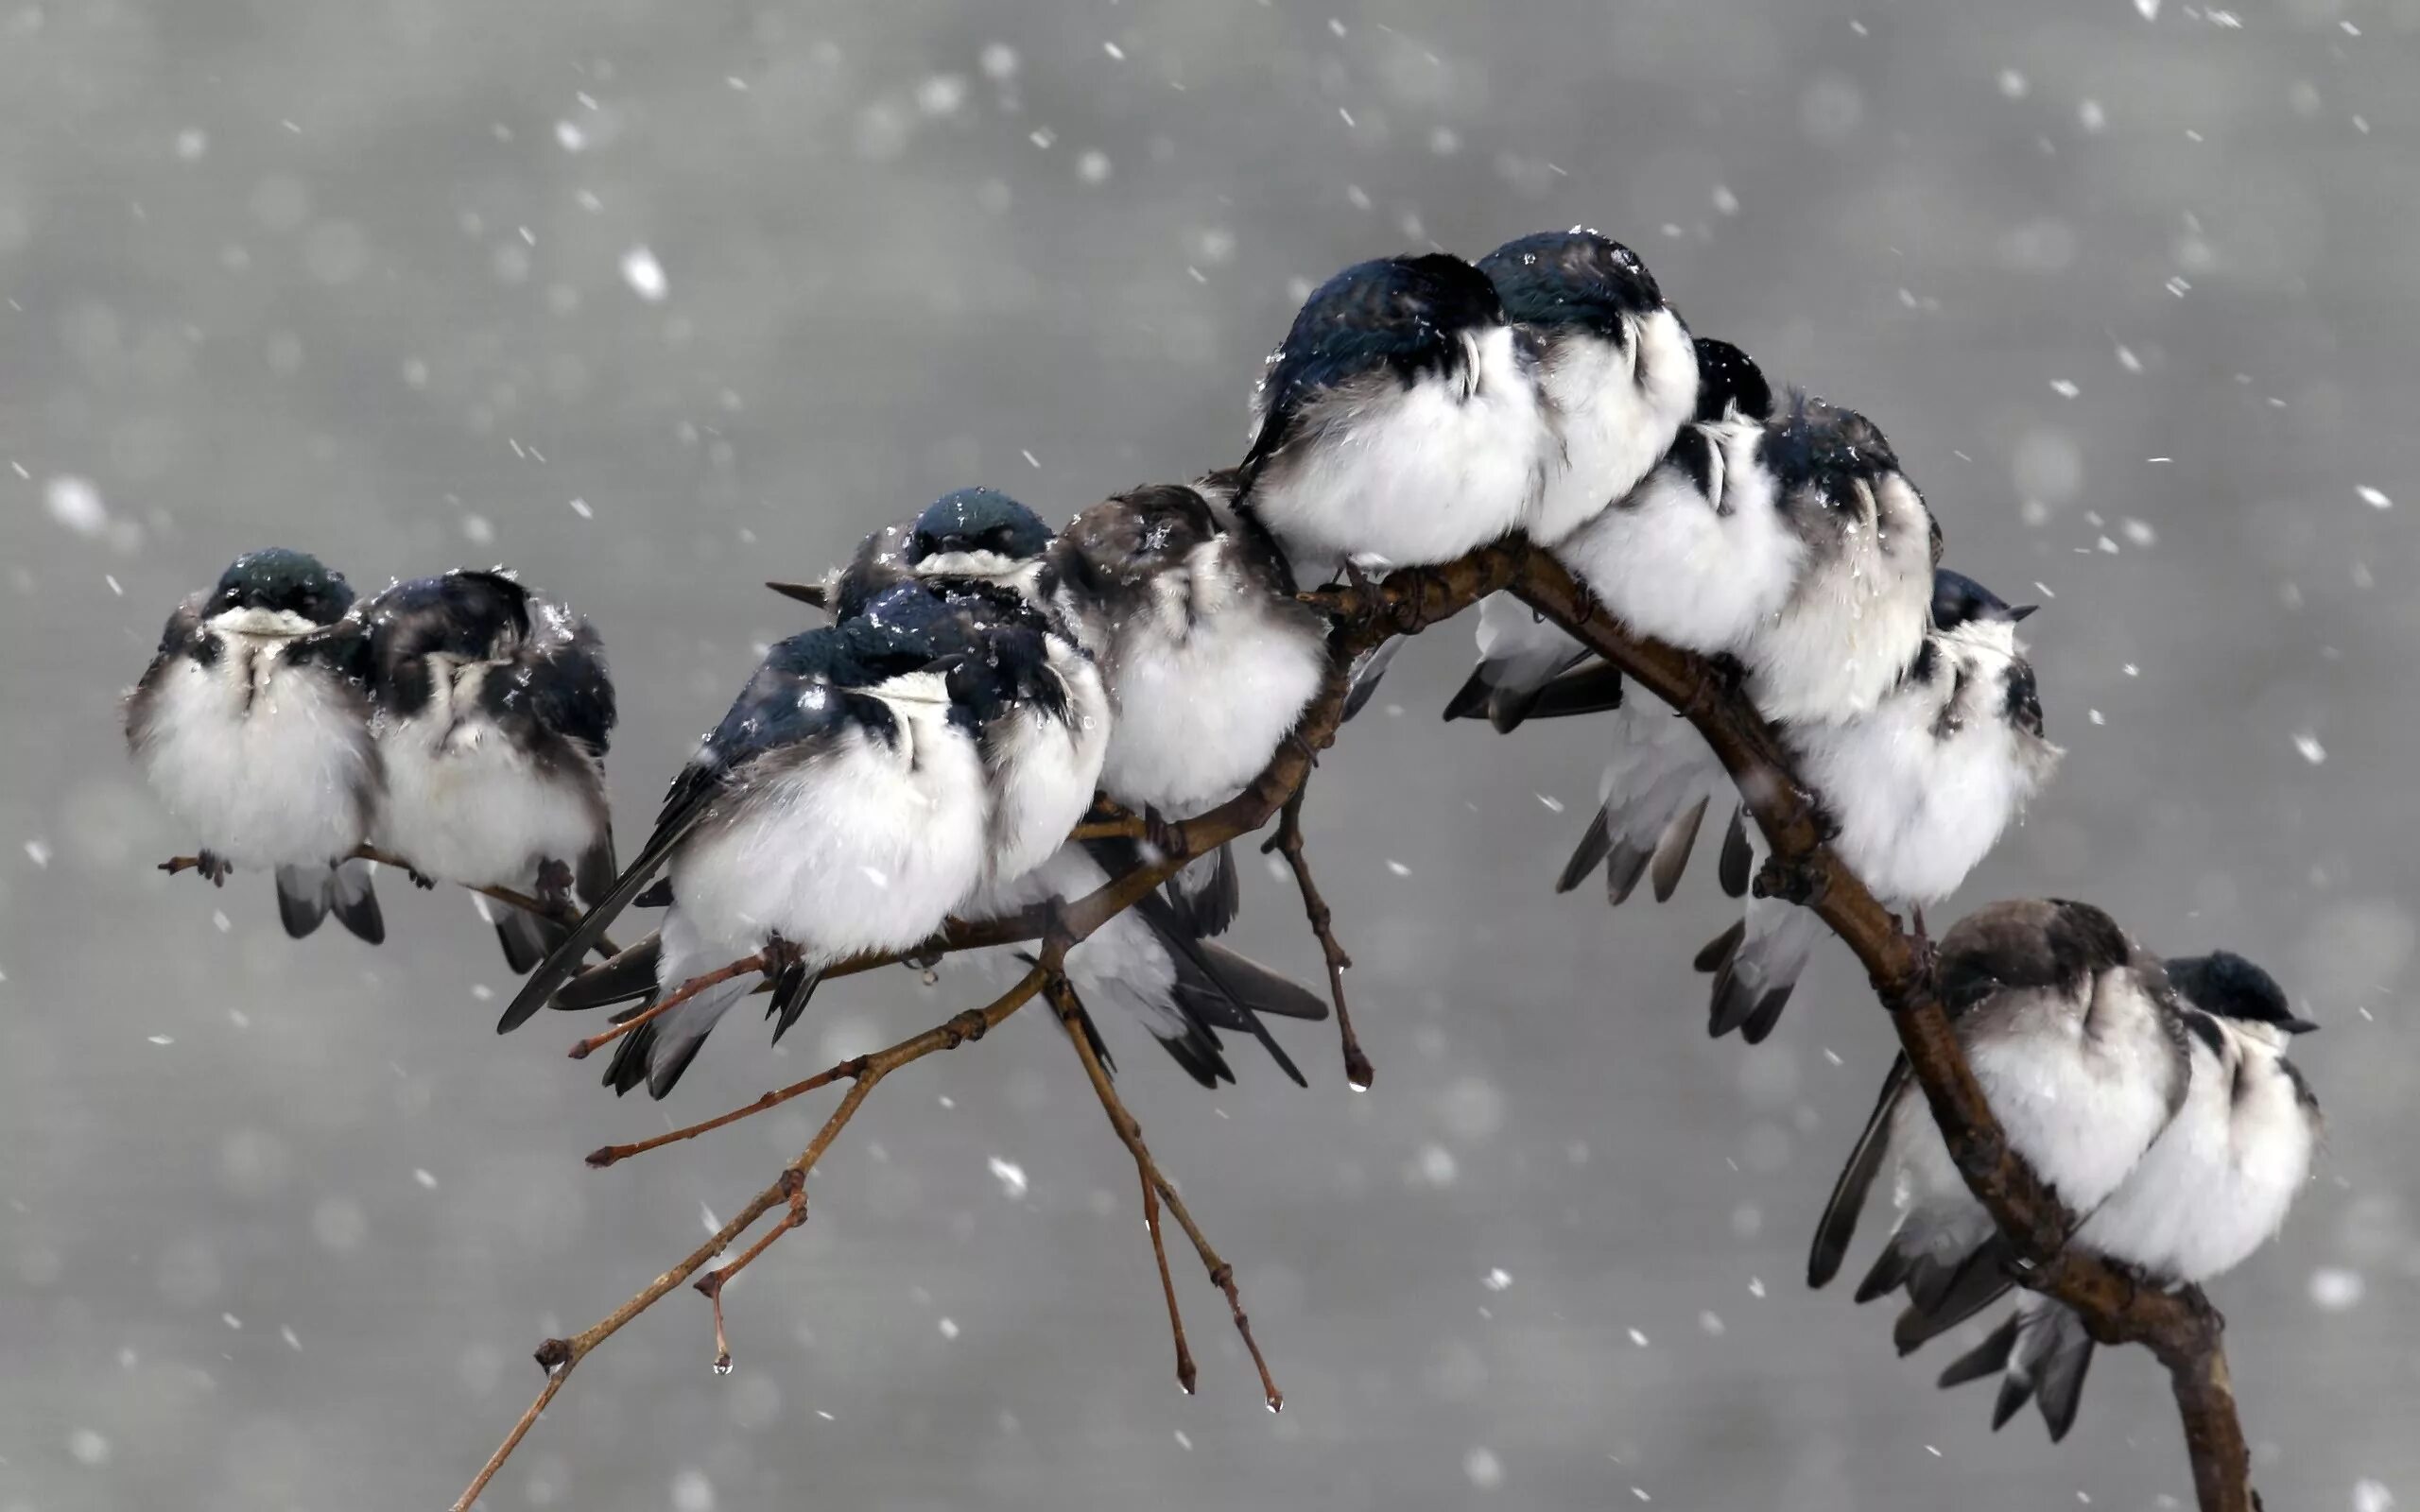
<point x="1753" y="980"/>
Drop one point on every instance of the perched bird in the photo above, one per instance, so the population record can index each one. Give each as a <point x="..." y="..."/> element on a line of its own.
<point x="1208" y="657"/>
<point x="970" y="536"/>
<point x="1400" y="422"/>
<point x="492" y="708"/>
<point x="253" y="728"/>
<point x="1918" y="790"/>
<point x="1522" y="651"/>
<point x="2079" y="1044"/>
<point x="841" y="806"/>
<point x="1616" y="367"/>
<point x="1793" y="543"/>
<point x="1150" y="962"/>
<point x="2213" y="1187"/>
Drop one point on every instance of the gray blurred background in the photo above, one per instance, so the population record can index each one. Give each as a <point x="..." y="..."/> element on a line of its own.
<point x="653" y="300"/>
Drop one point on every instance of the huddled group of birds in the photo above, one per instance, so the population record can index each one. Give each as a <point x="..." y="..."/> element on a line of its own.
<point x="928" y="754"/>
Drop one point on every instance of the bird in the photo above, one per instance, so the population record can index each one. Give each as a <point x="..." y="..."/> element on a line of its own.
<point x="841" y="806"/>
<point x="493" y="709"/>
<point x="1794" y="544"/>
<point x="1399" y="424"/>
<point x="1208" y="657"/>
<point x="969" y="535"/>
<point x="2080" y="1043"/>
<point x="253" y="724"/>
<point x="1916" y="792"/>
<point x="1520" y="650"/>
<point x="2213" y="1188"/>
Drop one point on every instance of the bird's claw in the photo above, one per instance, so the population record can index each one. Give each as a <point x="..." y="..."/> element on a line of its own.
<point x="1163" y="835"/>
<point x="421" y="879"/>
<point x="1791" y="881"/>
<point x="554" y="884"/>
<point x="779" y="954"/>
<point x="213" y="867"/>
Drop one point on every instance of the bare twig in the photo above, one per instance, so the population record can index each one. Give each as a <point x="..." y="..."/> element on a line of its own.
<point x="558" y="1356"/>
<point x="563" y="914"/>
<point x="1288" y="842"/>
<point x="1062" y="994"/>
<point x="690" y="988"/>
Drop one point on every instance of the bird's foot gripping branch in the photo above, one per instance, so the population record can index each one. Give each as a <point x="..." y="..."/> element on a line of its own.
<point x="2179" y="1327"/>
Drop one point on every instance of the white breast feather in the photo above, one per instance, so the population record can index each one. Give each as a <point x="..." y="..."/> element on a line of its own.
<point x="1411" y="476"/>
<point x="464" y="803"/>
<point x="1611" y="428"/>
<point x="269" y="764"/>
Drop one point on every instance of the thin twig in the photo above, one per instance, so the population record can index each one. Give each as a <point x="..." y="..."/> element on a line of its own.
<point x="560" y="1355"/>
<point x="690" y="988"/>
<point x="563" y="914"/>
<point x="1288" y="842"/>
<point x="1062" y="994"/>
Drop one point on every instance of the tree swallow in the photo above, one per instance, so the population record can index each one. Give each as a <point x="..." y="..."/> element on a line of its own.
<point x="253" y="728"/>
<point x="1919" y="789"/>
<point x="1400" y="422"/>
<point x="1208" y="657"/>
<point x="2078" y="1042"/>
<point x="2213" y="1188"/>
<point x="1520" y="650"/>
<point x="492" y="708"/>
<point x="973" y="535"/>
<point x="839" y="807"/>
<point x="1793" y="543"/>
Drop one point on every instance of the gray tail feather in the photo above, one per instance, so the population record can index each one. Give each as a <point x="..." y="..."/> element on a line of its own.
<point x="1673" y="846"/>
<point x="1988" y="1358"/>
<point x="1754" y="984"/>
<point x="527" y="938"/>
<point x="1590" y="690"/>
<point x="658" y="1052"/>
<point x="625" y="977"/>
<point x="1470" y="700"/>
<point x="1594" y="847"/>
<point x="307" y="894"/>
<point x="1890" y="1271"/>
<point x="303" y="896"/>
<point x="1739" y="860"/>
<point x="1196" y="1050"/>
<point x="1624" y="865"/>
<point x="1256" y="988"/>
<point x="1368" y="668"/>
<point x="2041" y="1355"/>
<point x="354" y="898"/>
<point x="793" y="986"/>
<point x="1839" y="1224"/>
<point x="1942" y="1296"/>
<point x="1209" y="891"/>
<point x="1515" y="697"/>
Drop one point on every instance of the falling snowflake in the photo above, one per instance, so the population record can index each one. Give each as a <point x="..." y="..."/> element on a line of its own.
<point x="645" y="276"/>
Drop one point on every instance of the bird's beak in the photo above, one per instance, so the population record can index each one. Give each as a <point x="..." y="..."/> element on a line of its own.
<point x="2020" y="612"/>
<point x="805" y="593"/>
<point x="2296" y="1025"/>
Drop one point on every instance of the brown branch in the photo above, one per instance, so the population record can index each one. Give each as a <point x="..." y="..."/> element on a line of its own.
<point x="1288" y="842"/>
<point x="1062" y="996"/>
<point x="563" y="914"/>
<point x="687" y="990"/>
<point x="558" y="1356"/>
<point x="2180" y="1327"/>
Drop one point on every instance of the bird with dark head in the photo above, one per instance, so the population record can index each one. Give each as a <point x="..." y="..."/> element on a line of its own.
<point x="493" y="711"/>
<point x="1918" y="789"/>
<point x="1399" y="422"/>
<point x="969" y="536"/>
<point x="1208" y="657"/>
<point x="253" y="725"/>
<point x="839" y="807"/>
<point x="2078" y="1042"/>
<point x="2213" y="1188"/>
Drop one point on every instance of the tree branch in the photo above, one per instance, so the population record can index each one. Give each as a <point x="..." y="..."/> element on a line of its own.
<point x="2181" y="1328"/>
<point x="1288" y="842"/>
<point x="563" y="914"/>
